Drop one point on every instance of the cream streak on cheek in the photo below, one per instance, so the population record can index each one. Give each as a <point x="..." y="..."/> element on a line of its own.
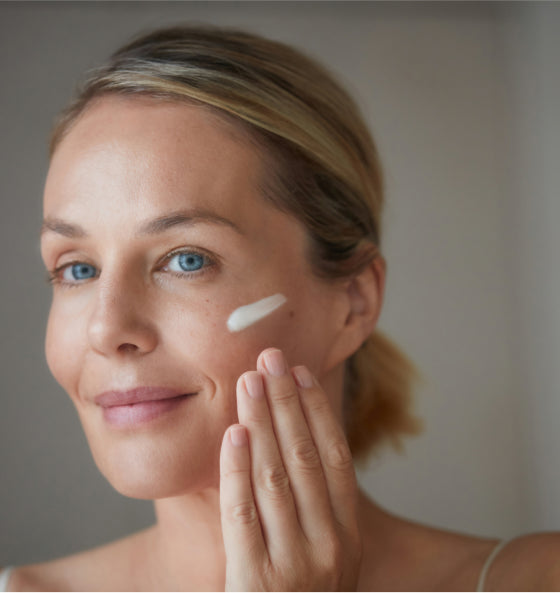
<point x="248" y="314"/>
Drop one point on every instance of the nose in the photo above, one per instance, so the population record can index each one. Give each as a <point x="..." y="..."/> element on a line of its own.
<point x="119" y="325"/>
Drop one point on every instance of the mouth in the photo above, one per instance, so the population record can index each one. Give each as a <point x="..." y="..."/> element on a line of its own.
<point x="126" y="409"/>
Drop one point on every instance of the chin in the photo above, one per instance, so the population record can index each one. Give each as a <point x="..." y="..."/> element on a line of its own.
<point x="148" y="490"/>
<point x="143" y="470"/>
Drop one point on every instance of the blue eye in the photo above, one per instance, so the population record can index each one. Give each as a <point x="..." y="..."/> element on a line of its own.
<point x="187" y="262"/>
<point x="78" y="272"/>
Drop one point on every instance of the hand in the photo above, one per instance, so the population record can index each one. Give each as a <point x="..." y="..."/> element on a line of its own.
<point x="288" y="491"/>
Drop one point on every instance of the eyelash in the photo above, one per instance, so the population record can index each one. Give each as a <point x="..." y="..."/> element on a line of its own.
<point x="54" y="277"/>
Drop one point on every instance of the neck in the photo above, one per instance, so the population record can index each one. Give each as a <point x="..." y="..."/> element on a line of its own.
<point x="187" y="545"/>
<point x="185" y="550"/>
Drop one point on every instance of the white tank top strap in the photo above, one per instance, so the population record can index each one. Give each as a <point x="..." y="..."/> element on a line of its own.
<point x="491" y="557"/>
<point x="5" y="577"/>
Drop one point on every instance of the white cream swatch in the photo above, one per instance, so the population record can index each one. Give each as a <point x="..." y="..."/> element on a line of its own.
<point x="248" y="314"/>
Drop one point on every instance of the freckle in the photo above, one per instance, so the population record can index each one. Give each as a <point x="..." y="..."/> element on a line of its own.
<point x="292" y="313"/>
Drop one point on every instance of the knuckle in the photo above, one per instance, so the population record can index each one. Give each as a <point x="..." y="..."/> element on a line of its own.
<point x="331" y="548"/>
<point x="284" y="395"/>
<point x="316" y="405"/>
<point x="330" y="562"/>
<point x="235" y="472"/>
<point x="244" y="513"/>
<point x="252" y="412"/>
<point x="253" y="416"/>
<point x="305" y="455"/>
<point x="339" y="456"/>
<point x="274" y="481"/>
<point x="335" y="553"/>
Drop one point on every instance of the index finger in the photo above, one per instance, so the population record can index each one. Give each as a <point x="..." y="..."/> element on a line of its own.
<point x="241" y="527"/>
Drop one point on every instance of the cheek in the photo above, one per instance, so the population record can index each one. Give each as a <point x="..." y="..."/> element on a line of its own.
<point x="64" y="345"/>
<point x="199" y="332"/>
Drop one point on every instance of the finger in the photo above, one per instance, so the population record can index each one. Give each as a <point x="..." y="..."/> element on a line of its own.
<point x="271" y="486"/>
<point x="334" y="452"/>
<point x="243" y="538"/>
<point x="298" y="449"/>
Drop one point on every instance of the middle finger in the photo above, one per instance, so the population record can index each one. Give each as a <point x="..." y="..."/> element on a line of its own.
<point x="270" y="482"/>
<point x="298" y="450"/>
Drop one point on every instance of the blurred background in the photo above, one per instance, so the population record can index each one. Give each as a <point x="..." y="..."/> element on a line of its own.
<point x="463" y="100"/>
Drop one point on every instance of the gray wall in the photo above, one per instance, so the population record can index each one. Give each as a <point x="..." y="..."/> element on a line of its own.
<point x="463" y="101"/>
<point x="531" y="48"/>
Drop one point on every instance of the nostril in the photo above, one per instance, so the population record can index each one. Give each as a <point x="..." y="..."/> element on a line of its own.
<point x="127" y="348"/>
<point x="117" y="328"/>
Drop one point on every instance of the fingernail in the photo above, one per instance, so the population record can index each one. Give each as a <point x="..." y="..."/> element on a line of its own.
<point x="254" y="385"/>
<point x="303" y="377"/>
<point x="274" y="363"/>
<point x="238" y="436"/>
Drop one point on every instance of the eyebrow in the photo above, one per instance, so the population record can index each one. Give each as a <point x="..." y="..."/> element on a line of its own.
<point x="152" y="227"/>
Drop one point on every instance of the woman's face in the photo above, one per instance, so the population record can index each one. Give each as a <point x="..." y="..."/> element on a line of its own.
<point x="155" y="225"/>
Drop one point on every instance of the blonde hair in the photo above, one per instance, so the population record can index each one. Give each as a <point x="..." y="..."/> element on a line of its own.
<point x="323" y="168"/>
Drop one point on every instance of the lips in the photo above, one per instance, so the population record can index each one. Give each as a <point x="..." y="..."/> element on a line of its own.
<point x="138" y="406"/>
<point x="109" y="399"/>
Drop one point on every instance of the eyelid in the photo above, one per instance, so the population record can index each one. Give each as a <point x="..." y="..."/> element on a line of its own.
<point x="211" y="260"/>
<point x="54" y="276"/>
<point x="190" y="249"/>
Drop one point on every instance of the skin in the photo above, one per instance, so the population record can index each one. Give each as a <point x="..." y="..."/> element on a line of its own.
<point x="112" y="184"/>
<point x="252" y="478"/>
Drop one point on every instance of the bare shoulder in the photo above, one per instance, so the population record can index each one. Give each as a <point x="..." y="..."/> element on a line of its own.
<point x="98" y="569"/>
<point x="527" y="563"/>
<point x="401" y="554"/>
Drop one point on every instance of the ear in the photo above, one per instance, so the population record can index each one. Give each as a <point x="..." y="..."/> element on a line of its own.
<point x="362" y="302"/>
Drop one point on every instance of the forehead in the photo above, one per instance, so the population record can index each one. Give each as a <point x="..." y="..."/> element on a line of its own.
<point x="142" y="151"/>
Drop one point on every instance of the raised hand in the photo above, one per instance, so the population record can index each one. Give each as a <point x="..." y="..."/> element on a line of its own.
<point x="288" y="491"/>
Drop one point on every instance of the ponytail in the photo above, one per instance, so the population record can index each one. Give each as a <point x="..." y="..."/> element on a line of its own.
<point x="379" y="383"/>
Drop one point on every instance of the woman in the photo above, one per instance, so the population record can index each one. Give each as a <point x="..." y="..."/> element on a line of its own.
<point x="212" y="233"/>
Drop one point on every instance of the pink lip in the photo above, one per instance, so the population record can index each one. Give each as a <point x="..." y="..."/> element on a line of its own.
<point x="139" y="405"/>
<point x="109" y="399"/>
